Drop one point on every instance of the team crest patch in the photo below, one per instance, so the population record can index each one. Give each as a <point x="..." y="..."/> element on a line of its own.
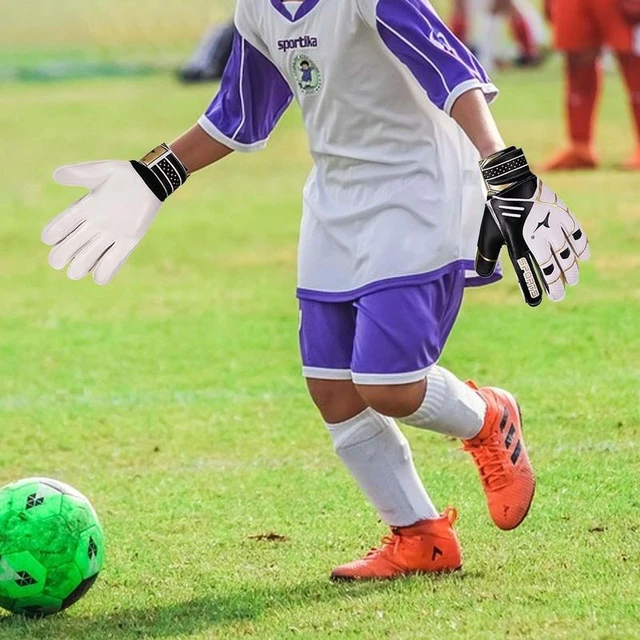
<point x="307" y="74"/>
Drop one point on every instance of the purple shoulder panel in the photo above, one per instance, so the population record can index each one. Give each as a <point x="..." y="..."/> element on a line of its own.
<point x="416" y="35"/>
<point x="253" y="96"/>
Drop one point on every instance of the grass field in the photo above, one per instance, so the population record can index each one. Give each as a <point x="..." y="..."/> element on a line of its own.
<point x="173" y="397"/>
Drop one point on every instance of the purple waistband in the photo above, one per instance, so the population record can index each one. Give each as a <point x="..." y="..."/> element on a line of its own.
<point x="399" y="281"/>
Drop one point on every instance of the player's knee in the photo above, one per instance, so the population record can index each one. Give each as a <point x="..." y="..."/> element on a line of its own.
<point x="395" y="401"/>
<point x="337" y="400"/>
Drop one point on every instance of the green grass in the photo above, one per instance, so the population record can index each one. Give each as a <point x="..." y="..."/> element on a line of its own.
<point x="42" y="40"/>
<point x="41" y="24"/>
<point x="173" y="397"/>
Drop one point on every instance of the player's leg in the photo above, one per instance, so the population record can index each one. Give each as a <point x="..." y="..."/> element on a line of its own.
<point x="535" y="17"/>
<point x="523" y="33"/>
<point x="630" y="66"/>
<point x="400" y="334"/>
<point x="583" y="80"/>
<point x="621" y="26"/>
<point x="375" y="452"/>
<point x="491" y="21"/>
<point x="373" y="449"/>
<point x="460" y="20"/>
<point x="577" y="34"/>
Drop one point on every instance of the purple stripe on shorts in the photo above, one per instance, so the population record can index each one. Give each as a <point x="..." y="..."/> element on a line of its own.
<point x="399" y="281"/>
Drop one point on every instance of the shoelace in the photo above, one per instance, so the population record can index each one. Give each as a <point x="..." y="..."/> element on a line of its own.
<point x="488" y="457"/>
<point x="385" y="543"/>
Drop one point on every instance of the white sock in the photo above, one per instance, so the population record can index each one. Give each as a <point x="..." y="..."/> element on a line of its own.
<point x="449" y="407"/>
<point x="378" y="456"/>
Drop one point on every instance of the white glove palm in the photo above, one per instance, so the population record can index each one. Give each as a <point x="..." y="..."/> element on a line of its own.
<point x="98" y="232"/>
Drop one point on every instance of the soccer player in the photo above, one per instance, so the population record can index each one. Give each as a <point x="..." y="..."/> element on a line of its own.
<point x="397" y="118"/>
<point x="581" y="29"/>
<point x="526" y="25"/>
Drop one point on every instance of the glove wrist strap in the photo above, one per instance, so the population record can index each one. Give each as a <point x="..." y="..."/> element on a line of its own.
<point x="161" y="171"/>
<point x="504" y="169"/>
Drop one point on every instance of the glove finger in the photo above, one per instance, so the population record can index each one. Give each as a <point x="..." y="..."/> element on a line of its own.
<point x="490" y="243"/>
<point x="85" y="174"/>
<point x="572" y="275"/>
<point x="566" y="259"/>
<point x="553" y="279"/>
<point x="574" y="233"/>
<point x="85" y="260"/>
<point x="528" y="279"/>
<point x="64" y="224"/>
<point x="579" y="243"/>
<point x="556" y="290"/>
<point x="64" y="252"/>
<point x="111" y="262"/>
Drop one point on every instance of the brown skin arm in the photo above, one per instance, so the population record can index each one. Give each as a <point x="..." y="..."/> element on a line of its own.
<point x="196" y="149"/>
<point x="472" y="113"/>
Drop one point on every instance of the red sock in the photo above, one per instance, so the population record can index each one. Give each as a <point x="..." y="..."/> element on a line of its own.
<point x="459" y="25"/>
<point x="583" y="89"/>
<point x="523" y="33"/>
<point x="630" y="66"/>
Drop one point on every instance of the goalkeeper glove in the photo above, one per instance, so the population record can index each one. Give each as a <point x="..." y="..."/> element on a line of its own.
<point x="543" y="238"/>
<point x="98" y="232"/>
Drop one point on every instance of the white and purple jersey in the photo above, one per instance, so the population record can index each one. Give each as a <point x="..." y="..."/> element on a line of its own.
<point x="395" y="196"/>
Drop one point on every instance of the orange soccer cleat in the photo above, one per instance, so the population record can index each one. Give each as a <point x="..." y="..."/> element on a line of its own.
<point x="633" y="163"/>
<point x="502" y="460"/>
<point x="429" y="546"/>
<point x="577" y="156"/>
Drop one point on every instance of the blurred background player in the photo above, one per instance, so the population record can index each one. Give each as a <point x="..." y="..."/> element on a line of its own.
<point x="581" y="29"/>
<point x="481" y="23"/>
<point x="210" y="58"/>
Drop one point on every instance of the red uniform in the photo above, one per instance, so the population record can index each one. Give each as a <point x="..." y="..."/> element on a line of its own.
<point x="581" y="29"/>
<point x="590" y="24"/>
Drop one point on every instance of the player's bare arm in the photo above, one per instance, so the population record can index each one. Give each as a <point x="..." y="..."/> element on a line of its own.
<point x="197" y="150"/>
<point x="473" y="115"/>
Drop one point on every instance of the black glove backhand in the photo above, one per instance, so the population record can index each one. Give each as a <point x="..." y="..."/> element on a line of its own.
<point x="543" y="238"/>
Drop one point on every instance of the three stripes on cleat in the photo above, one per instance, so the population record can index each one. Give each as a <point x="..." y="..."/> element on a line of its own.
<point x="515" y="454"/>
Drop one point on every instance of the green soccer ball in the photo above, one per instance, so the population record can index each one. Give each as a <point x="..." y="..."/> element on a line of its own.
<point x="51" y="546"/>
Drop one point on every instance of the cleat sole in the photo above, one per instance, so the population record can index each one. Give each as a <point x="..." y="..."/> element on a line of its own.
<point x="399" y="576"/>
